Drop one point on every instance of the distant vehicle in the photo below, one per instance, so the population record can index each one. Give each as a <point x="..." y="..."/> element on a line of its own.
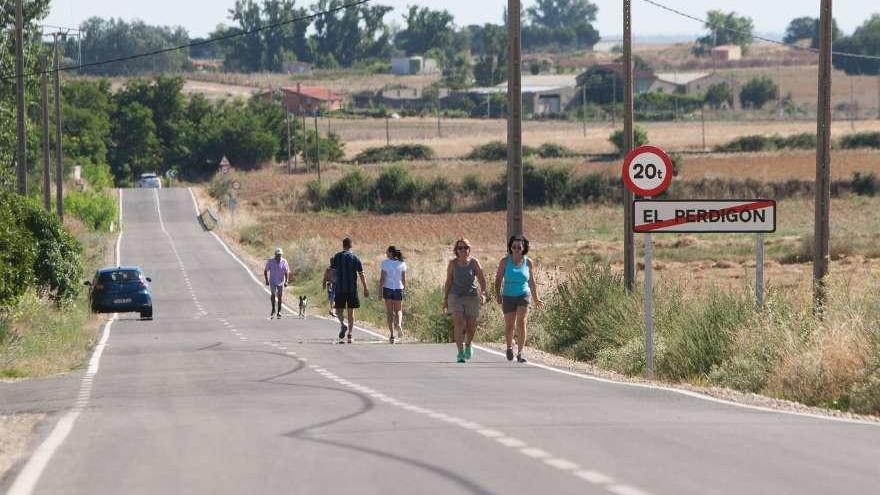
<point x="149" y="179"/>
<point x="122" y="289"/>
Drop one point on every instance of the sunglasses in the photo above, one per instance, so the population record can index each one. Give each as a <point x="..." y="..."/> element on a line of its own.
<point x="462" y="248"/>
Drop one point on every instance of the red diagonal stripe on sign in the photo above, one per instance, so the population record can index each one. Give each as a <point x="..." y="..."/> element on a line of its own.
<point x="757" y="205"/>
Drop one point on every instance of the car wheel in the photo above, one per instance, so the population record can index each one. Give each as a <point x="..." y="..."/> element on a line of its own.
<point x="147" y="314"/>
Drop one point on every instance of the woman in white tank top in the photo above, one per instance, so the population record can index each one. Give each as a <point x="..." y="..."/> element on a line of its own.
<point x="393" y="282"/>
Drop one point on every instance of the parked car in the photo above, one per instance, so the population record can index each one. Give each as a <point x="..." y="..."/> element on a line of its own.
<point x="121" y="289"/>
<point x="149" y="179"/>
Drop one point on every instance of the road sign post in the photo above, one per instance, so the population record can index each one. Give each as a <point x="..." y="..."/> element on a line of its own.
<point x="647" y="171"/>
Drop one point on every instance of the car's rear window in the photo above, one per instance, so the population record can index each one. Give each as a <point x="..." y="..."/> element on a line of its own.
<point x="120" y="276"/>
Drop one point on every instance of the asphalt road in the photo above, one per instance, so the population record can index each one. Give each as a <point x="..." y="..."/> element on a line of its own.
<point x="211" y="397"/>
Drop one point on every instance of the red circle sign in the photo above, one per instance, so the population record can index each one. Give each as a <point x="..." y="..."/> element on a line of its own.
<point x="647" y="171"/>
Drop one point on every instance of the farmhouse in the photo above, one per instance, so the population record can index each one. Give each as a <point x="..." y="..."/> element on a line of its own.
<point x="688" y="83"/>
<point x="306" y="99"/>
<point x="542" y="95"/>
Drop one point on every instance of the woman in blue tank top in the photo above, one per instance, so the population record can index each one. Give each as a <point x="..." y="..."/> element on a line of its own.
<point x="514" y="287"/>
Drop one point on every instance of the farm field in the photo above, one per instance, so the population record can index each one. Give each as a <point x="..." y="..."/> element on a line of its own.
<point x="459" y="136"/>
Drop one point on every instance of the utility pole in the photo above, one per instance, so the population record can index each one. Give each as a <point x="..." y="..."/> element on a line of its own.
<point x="614" y="98"/>
<point x="305" y="145"/>
<point x="21" y="169"/>
<point x="852" y="104"/>
<point x="439" y="130"/>
<point x="703" y="124"/>
<point x="823" y="160"/>
<point x="317" y="146"/>
<point x="629" y="266"/>
<point x="387" y="130"/>
<point x="59" y="174"/>
<point x="584" y="105"/>
<point x="44" y="122"/>
<point x="287" y="121"/>
<point x="514" y="120"/>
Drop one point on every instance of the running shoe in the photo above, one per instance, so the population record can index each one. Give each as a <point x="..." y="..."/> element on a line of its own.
<point x="468" y="353"/>
<point x="510" y="354"/>
<point x="348" y="339"/>
<point x="278" y="315"/>
<point x="342" y="330"/>
<point x="520" y="358"/>
<point x="391" y="339"/>
<point x="461" y="358"/>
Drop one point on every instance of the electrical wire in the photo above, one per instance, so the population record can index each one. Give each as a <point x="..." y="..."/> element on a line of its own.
<point x="196" y="43"/>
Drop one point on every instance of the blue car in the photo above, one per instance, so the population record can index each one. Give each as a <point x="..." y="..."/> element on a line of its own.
<point x="122" y="289"/>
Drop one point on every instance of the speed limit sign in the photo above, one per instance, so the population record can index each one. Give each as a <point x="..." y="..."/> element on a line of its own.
<point x="647" y="171"/>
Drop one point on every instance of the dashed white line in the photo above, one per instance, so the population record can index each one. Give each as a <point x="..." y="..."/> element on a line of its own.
<point x="594" y="477"/>
<point x="534" y="453"/>
<point x="625" y="490"/>
<point x="562" y="464"/>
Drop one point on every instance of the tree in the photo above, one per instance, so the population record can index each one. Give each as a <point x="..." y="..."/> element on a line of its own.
<point x="718" y="94"/>
<point x="457" y="71"/>
<point x="104" y="39"/>
<point x="426" y="29"/>
<point x="354" y="34"/>
<point x="565" y="23"/>
<point x="87" y="106"/>
<point x="490" y="43"/>
<point x="865" y="41"/>
<point x="725" y="29"/>
<point x="163" y="96"/>
<point x="802" y="28"/>
<point x="135" y="149"/>
<point x="758" y="91"/>
<point x="286" y="42"/>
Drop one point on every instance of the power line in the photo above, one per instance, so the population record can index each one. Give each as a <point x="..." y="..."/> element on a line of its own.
<point x="789" y="45"/>
<point x="196" y="43"/>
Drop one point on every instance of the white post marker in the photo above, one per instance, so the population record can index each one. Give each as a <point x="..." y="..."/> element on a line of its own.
<point x="647" y="171"/>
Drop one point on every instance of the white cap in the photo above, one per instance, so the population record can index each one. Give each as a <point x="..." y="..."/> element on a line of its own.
<point x="278" y="251"/>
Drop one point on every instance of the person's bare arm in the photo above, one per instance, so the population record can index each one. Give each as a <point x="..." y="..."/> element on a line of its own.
<point x="447" y="286"/>
<point x="499" y="275"/>
<point x="364" y="284"/>
<point x="533" y="284"/>
<point x="481" y="279"/>
<point x="381" y="279"/>
<point x="266" y="274"/>
<point x="403" y="278"/>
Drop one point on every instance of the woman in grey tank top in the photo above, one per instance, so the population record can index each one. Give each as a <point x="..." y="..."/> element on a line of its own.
<point x="460" y="296"/>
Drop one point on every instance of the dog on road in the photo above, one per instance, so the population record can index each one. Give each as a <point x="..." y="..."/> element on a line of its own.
<point x="303" y="306"/>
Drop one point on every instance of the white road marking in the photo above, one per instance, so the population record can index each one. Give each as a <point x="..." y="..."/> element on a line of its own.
<point x="562" y="464"/>
<point x="594" y="477"/>
<point x="534" y="453"/>
<point x="490" y="433"/>
<point x="511" y="442"/>
<point x="625" y="490"/>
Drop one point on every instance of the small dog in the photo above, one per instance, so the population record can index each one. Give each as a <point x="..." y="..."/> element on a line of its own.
<point x="303" y="305"/>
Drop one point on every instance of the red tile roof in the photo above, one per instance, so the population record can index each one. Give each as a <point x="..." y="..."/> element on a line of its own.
<point x="315" y="92"/>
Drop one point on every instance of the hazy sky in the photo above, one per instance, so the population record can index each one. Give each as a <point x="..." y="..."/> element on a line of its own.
<point x="201" y="16"/>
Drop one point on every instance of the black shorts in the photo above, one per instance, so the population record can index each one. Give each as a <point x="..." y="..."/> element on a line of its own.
<point x="347" y="300"/>
<point x="392" y="294"/>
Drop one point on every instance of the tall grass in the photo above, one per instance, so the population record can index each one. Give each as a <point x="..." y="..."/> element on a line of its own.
<point x="786" y="351"/>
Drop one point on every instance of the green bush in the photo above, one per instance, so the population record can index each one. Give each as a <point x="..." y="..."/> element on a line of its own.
<point x="17" y="256"/>
<point x="331" y="149"/>
<point x="747" y="144"/>
<point x="865" y="185"/>
<point x="861" y="140"/>
<point x="395" y="190"/>
<point x="95" y="209"/>
<point x="353" y="190"/>
<point x="471" y="185"/>
<point x="98" y="175"/>
<point x="395" y="153"/>
<point x="591" y="311"/>
<point x="437" y="195"/>
<point x="545" y="186"/>
<point x="640" y="137"/>
<point x="495" y="151"/>
<point x="553" y="150"/>
<point x="758" y="91"/>
<point x="803" y="141"/>
<point x="56" y="267"/>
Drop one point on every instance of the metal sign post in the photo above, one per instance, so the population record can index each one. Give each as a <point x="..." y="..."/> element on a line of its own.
<point x="647" y="170"/>
<point x="759" y="270"/>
